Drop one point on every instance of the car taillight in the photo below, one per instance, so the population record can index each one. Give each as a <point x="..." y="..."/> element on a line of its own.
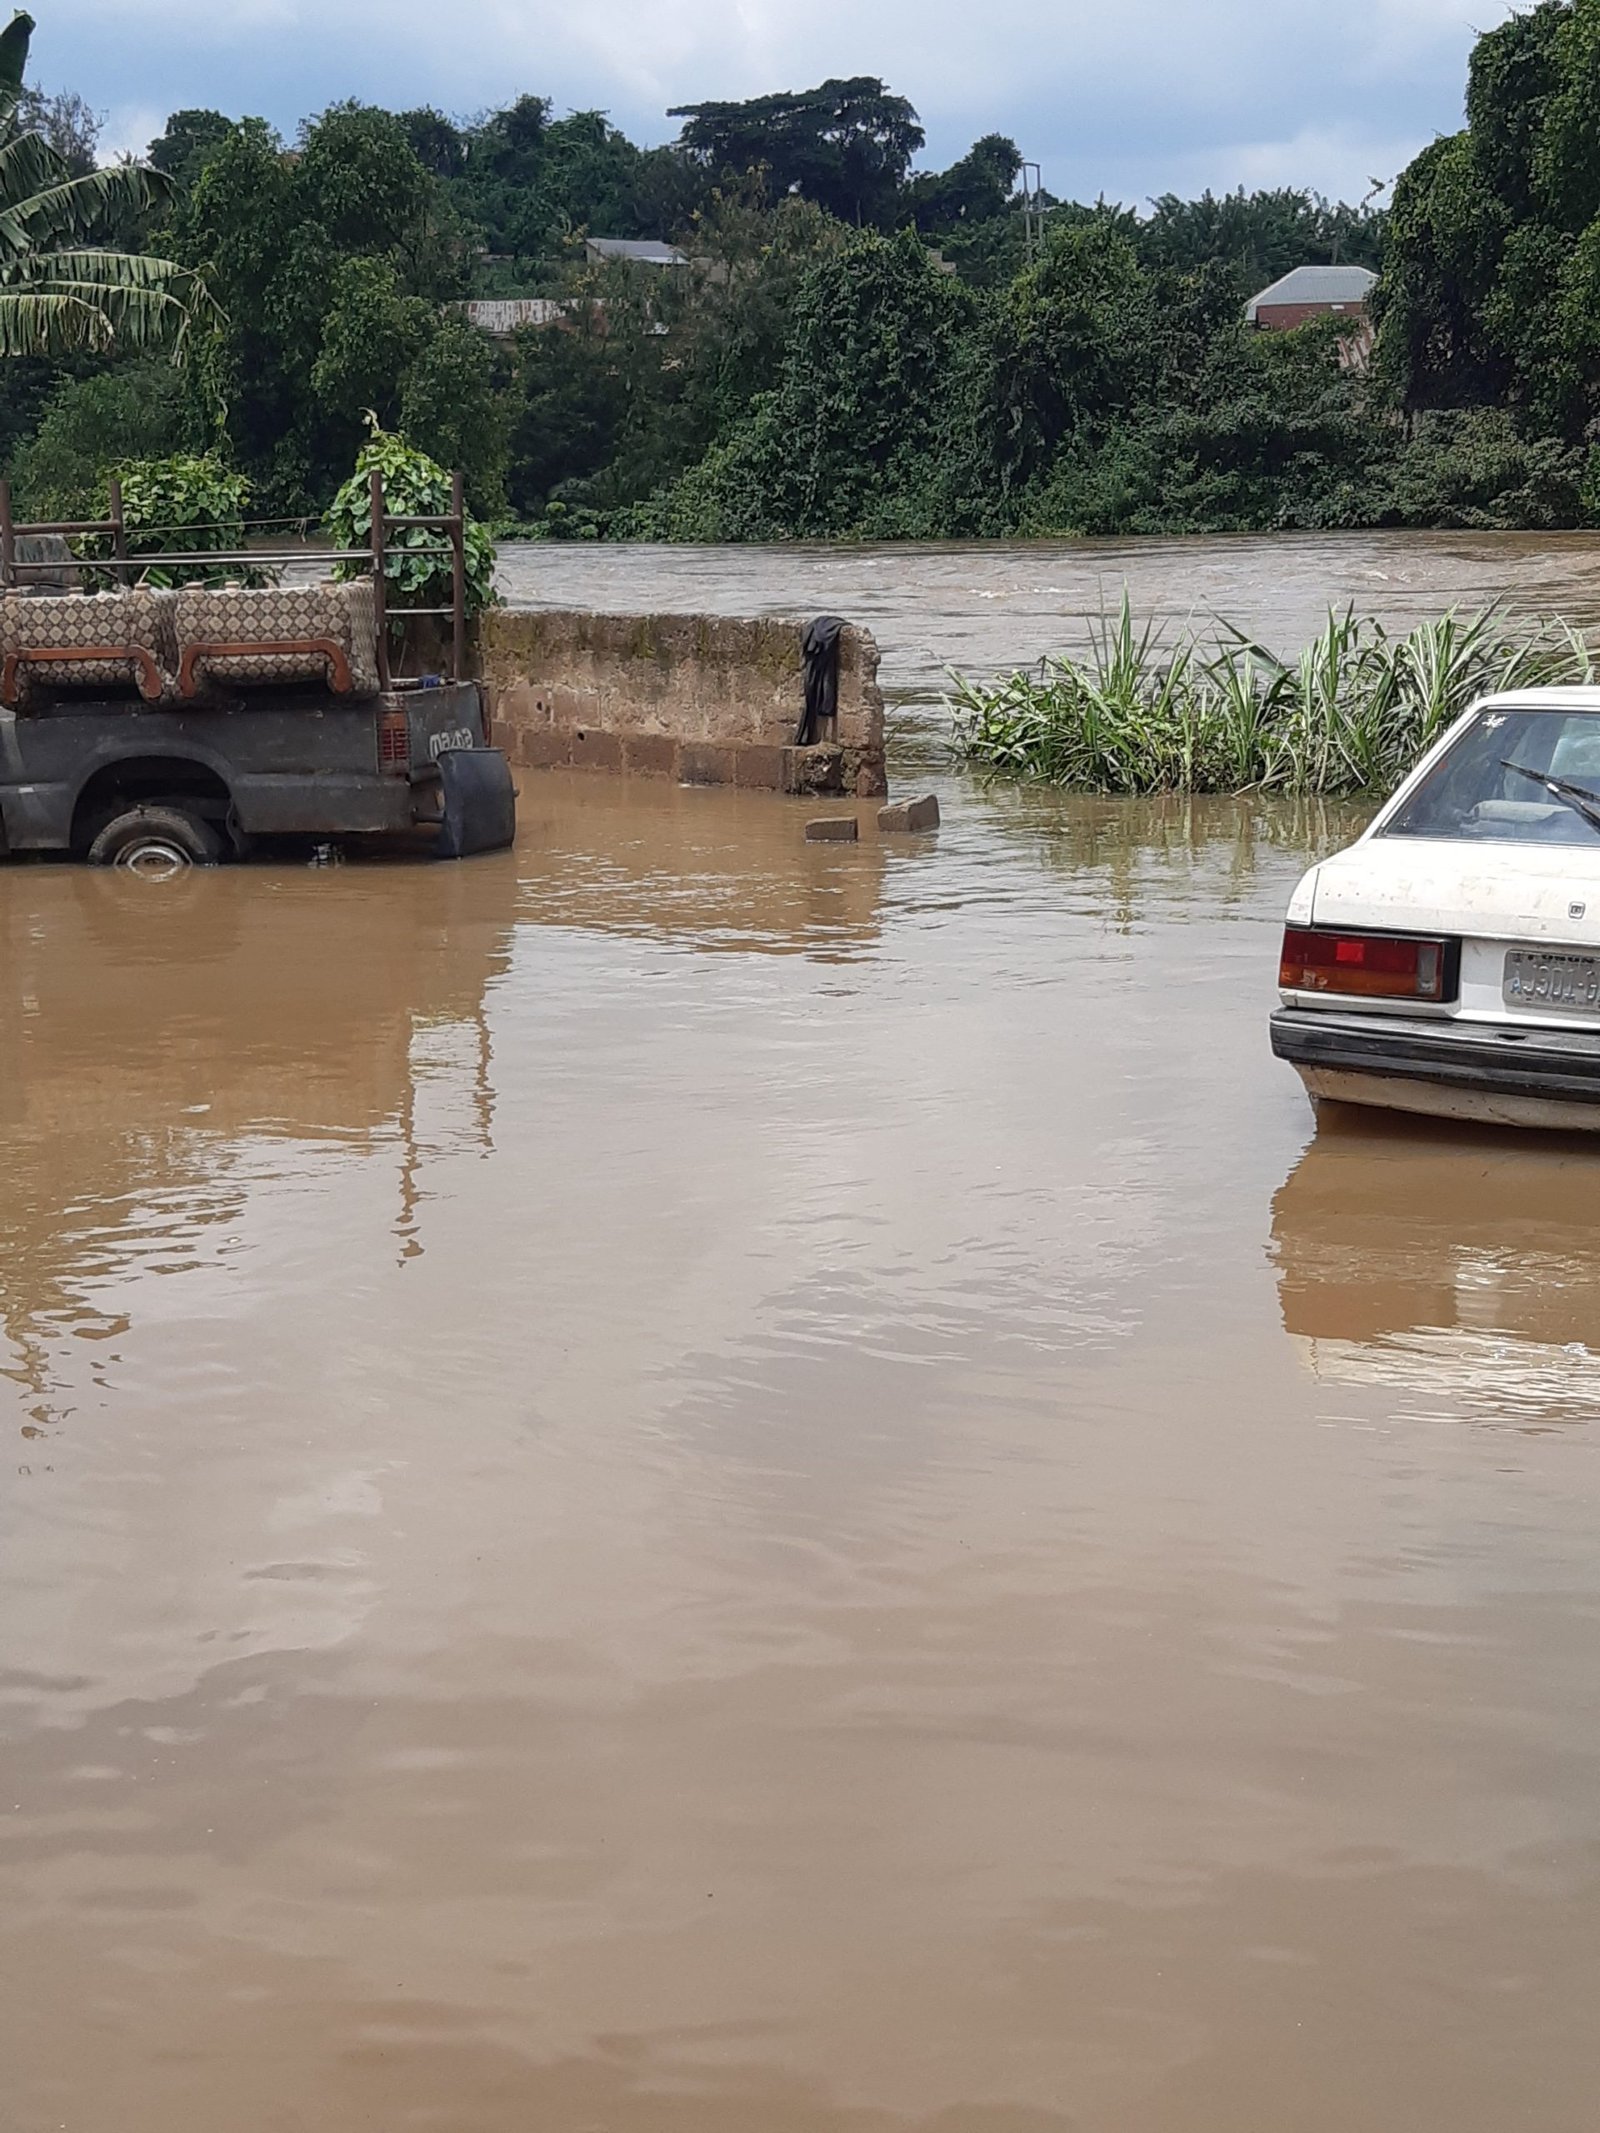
<point x="1375" y="966"/>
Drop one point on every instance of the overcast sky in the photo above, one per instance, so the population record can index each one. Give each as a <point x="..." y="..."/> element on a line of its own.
<point x="1125" y="97"/>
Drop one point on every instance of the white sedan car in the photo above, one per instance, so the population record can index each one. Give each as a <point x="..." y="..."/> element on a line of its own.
<point x="1449" y="961"/>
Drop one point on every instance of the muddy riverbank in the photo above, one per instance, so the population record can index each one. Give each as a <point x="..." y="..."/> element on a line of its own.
<point x="682" y="1482"/>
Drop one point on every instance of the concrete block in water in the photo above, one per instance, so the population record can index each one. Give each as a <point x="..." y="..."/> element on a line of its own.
<point x="759" y="768"/>
<point x="650" y="755"/>
<point x="810" y="772"/>
<point x="596" y="751"/>
<point x="909" y="816"/>
<point x="707" y="763"/>
<point x="833" y="829"/>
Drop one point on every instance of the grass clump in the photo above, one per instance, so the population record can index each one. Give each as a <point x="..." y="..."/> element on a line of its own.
<point x="1350" y="715"/>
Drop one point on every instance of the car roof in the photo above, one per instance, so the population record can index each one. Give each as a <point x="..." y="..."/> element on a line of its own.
<point x="1558" y="697"/>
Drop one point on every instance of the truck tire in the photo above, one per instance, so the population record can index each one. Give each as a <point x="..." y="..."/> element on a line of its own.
<point x="155" y="842"/>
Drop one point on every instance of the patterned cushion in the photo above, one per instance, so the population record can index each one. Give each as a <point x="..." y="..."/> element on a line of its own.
<point x="294" y="625"/>
<point x="129" y="632"/>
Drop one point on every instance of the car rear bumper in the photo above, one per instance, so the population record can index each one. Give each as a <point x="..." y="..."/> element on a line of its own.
<point x="1481" y="1059"/>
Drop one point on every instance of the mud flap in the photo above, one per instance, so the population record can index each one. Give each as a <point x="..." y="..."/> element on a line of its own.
<point x="480" y="803"/>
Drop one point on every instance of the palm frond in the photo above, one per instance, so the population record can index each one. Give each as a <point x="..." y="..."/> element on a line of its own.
<point x="14" y="41"/>
<point x="100" y="268"/>
<point x="28" y="165"/>
<point x="74" y="209"/>
<point x="138" y="321"/>
<point x="116" y="279"/>
<point x="60" y="291"/>
<point x="52" y="324"/>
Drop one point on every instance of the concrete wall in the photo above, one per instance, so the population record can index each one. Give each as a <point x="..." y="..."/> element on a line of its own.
<point x="704" y="699"/>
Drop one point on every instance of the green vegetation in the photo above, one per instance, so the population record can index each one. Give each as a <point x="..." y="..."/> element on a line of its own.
<point x="183" y="502"/>
<point x="816" y="368"/>
<point x="1351" y="714"/>
<point x="415" y="573"/>
<point x="64" y="286"/>
<point x="88" y="427"/>
<point x="850" y="346"/>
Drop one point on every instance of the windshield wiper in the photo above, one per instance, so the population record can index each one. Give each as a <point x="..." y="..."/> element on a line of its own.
<point x="1578" y="797"/>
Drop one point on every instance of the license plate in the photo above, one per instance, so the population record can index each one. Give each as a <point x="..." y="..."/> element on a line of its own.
<point x="1559" y="984"/>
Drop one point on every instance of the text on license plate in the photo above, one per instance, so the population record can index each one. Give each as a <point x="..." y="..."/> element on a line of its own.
<point x="1536" y="979"/>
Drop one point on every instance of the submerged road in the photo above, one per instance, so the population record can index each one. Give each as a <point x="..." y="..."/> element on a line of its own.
<point x="683" y="1483"/>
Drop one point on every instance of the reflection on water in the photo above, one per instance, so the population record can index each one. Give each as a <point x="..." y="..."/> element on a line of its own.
<point x="1188" y="848"/>
<point x="658" y="1483"/>
<point x="163" y="1047"/>
<point x="160" y="1039"/>
<point x="721" y="870"/>
<point x="1457" y="1267"/>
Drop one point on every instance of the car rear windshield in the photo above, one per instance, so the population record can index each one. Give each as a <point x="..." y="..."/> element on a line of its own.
<point x="1470" y="791"/>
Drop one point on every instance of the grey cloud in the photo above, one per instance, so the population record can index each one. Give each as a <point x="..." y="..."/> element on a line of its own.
<point x="1130" y="99"/>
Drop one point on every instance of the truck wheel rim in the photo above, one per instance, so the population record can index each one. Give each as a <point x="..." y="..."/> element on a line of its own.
<point x="154" y="858"/>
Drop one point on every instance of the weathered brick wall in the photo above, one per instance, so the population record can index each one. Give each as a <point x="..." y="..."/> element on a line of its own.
<point x="706" y="699"/>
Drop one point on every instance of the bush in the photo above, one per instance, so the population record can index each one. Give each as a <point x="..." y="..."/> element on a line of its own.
<point x="90" y="427"/>
<point x="1470" y="467"/>
<point x="183" y="502"/>
<point x="1351" y="714"/>
<point x="415" y="486"/>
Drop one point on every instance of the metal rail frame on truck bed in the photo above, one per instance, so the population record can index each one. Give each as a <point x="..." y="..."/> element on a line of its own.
<point x="249" y="721"/>
<point x="126" y="568"/>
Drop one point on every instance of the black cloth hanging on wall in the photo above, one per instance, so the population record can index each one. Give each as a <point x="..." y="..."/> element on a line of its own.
<point x="819" y="648"/>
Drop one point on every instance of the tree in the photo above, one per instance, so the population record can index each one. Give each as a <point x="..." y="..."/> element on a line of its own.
<point x="567" y="408"/>
<point x="185" y="142"/>
<point x="532" y="183"/>
<point x="849" y="440"/>
<point x="451" y="408"/>
<point x="67" y="123"/>
<point x="372" y="333"/>
<point x="845" y="144"/>
<point x="503" y="185"/>
<point x="1491" y="286"/>
<point x="1261" y="235"/>
<point x="331" y="266"/>
<point x="1447" y="234"/>
<point x="976" y="189"/>
<point x="593" y="175"/>
<point x="439" y="146"/>
<point x="1071" y="345"/>
<point x="130" y="411"/>
<point x="62" y="288"/>
<point x="754" y="260"/>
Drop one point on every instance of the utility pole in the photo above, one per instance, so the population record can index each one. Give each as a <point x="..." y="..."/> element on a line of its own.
<point x="1032" y="212"/>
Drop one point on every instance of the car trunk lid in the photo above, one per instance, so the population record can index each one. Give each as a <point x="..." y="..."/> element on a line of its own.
<point x="1487" y="891"/>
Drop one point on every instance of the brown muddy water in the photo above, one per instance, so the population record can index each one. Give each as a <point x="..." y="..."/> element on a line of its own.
<point x="985" y="607"/>
<point x="680" y="1483"/>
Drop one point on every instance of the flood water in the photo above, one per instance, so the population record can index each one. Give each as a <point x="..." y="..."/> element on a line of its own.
<point x="681" y="1483"/>
<point x="986" y="607"/>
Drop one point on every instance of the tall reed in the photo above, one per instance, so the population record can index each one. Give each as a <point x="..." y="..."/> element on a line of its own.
<point x="1350" y="714"/>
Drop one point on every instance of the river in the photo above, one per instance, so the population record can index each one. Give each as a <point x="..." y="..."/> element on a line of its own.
<point x="683" y="1483"/>
<point x="986" y="607"/>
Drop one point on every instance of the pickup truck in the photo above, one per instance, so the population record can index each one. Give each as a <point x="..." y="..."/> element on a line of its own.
<point x="157" y="730"/>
